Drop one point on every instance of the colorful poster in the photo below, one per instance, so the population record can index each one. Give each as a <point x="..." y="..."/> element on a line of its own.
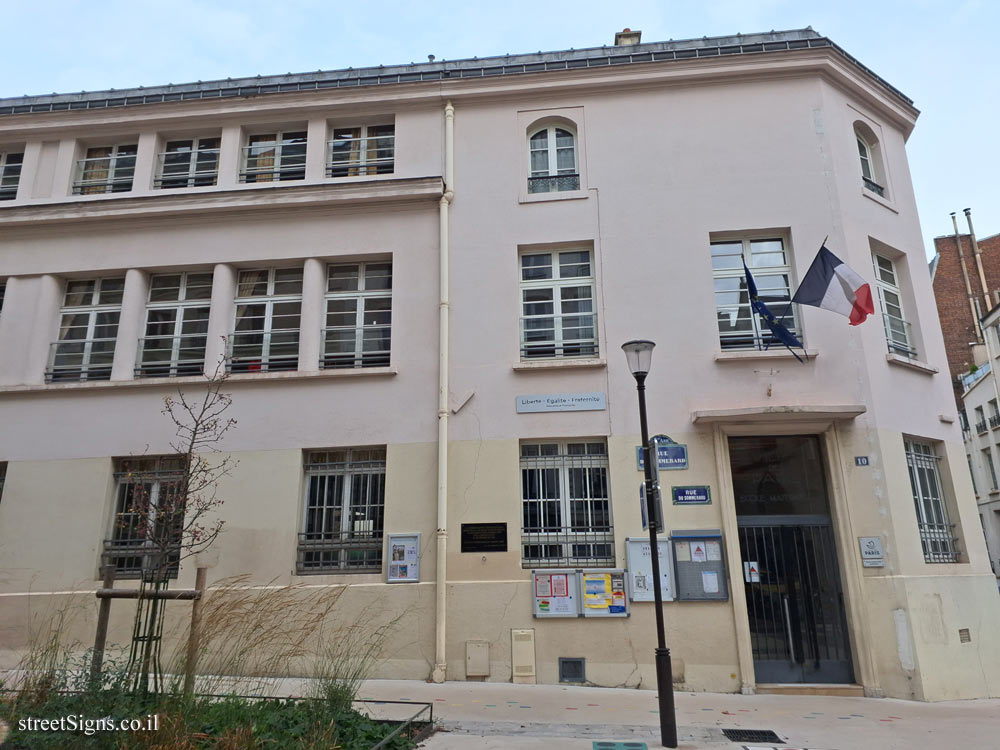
<point x="597" y="590"/>
<point x="543" y="585"/>
<point x="698" y="553"/>
<point x="560" y="585"/>
<point x="404" y="558"/>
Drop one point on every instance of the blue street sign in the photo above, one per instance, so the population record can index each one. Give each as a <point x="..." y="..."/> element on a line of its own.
<point x="700" y="495"/>
<point x="669" y="456"/>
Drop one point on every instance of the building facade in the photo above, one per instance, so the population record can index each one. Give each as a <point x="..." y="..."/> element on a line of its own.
<point x="420" y="277"/>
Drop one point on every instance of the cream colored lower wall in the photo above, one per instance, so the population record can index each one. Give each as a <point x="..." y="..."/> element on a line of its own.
<point x="55" y="514"/>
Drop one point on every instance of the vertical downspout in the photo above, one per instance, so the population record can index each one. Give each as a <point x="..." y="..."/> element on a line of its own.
<point x="965" y="275"/>
<point x="979" y="262"/>
<point x="441" y="591"/>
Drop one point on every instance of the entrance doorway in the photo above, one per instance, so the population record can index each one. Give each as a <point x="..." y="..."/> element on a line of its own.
<point x="795" y="603"/>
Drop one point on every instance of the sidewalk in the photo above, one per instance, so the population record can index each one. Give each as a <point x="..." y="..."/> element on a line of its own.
<point x="498" y="716"/>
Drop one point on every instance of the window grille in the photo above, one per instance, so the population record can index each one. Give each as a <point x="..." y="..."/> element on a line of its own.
<point x="10" y="174"/>
<point x="769" y="261"/>
<point x="106" y="169"/>
<point x="176" y="325"/>
<point x="566" y="505"/>
<point x="364" y="150"/>
<point x="552" y="155"/>
<point x="557" y="305"/>
<point x="937" y="533"/>
<point x="268" y="310"/>
<point x="188" y="163"/>
<point x="87" y="331"/>
<point x="274" y="156"/>
<point x="344" y="512"/>
<point x="149" y="517"/>
<point x="358" y="316"/>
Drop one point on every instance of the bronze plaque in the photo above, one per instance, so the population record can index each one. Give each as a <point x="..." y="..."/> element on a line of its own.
<point x="484" y="537"/>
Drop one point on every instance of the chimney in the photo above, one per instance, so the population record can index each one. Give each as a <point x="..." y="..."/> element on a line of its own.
<point x="627" y="37"/>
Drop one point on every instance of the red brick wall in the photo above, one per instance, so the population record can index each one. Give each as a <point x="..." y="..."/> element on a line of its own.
<point x="957" y="321"/>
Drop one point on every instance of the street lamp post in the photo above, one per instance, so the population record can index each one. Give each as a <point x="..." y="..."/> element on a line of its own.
<point x="639" y="353"/>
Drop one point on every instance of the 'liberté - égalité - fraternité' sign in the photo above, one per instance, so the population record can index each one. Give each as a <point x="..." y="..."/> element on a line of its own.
<point x="562" y="402"/>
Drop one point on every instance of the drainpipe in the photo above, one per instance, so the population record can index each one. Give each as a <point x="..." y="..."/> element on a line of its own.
<point x="979" y="260"/>
<point x="965" y="275"/>
<point x="441" y="582"/>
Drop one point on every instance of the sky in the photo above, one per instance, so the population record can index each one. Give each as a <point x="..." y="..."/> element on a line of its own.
<point x="941" y="54"/>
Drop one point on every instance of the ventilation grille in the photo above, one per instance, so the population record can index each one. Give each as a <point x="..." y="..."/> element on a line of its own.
<point x="964" y="636"/>
<point x="620" y="746"/>
<point x="752" y="735"/>
<point x="572" y="669"/>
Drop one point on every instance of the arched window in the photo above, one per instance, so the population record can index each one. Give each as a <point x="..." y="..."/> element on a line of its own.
<point x="552" y="151"/>
<point x="872" y="172"/>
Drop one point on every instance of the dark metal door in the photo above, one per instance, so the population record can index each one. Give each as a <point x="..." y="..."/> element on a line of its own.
<point x="798" y="624"/>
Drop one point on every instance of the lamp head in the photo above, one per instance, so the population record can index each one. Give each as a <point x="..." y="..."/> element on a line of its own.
<point x="639" y="354"/>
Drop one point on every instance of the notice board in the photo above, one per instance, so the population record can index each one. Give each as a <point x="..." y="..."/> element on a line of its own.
<point x="555" y="593"/>
<point x="699" y="564"/>
<point x="640" y="569"/>
<point x="604" y="592"/>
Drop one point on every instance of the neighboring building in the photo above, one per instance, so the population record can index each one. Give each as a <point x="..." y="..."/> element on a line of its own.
<point x="361" y="242"/>
<point x="981" y="402"/>
<point x="965" y="274"/>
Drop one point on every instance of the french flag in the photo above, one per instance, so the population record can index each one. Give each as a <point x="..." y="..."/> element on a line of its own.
<point x="833" y="285"/>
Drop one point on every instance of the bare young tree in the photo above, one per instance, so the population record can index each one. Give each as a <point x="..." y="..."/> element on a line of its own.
<point x="172" y="513"/>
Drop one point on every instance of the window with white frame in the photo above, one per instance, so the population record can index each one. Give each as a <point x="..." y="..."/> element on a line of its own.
<point x="358" y="315"/>
<point x="88" y="328"/>
<point x="566" y="504"/>
<point x="552" y="160"/>
<point x="10" y="174"/>
<point x="269" y="157"/>
<point x="363" y="150"/>
<point x="898" y="333"/>
<point x="148" y="518"/>
<point x="105" y="169"/>
<point x="342" y="523"/>
<point x="176" y="325"/>
<point x="770" y="264"/>
<point x="189" y="162"/>
<point x="937" y="533"/>
<point x="872" y="173"/>
<point x="990" y="467"/>
<point x="268" y="310"/>
<point x="557" y="305"/>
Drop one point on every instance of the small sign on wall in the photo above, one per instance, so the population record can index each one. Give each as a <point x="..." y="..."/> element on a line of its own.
<point x="871" y="551"/>
<point x="562" y="402"/>
<point x="404" y="558"/>
<point x="699" y="495"/>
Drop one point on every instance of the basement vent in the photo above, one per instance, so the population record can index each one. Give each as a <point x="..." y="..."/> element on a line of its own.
<point x="620" y="746"/>
<point x="752" y="735"/>
<point x="964" y="636"/>
<point x="572" y="670"/>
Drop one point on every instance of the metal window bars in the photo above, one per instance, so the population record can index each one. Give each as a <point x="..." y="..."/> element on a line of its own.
<point x="361" y="346"/>
<point x="937" y="532"/>
<point x="874" y="187"/>
<point x="171" y="356"/>
<point x="995" y="421"/>
<point x="939" y="542"/>
<point x="138" y="558"/>
<point x="559" y="336"/>
<point x="981" y="427"/>
<point x="899" y="334"/>
<point x="357" y="551"/>
<point x="567" y="546"/>
<point x="184" y="169"/>
<point x="263" y="351"/>
<point x="366" y="155"/>
<point x="104" y="174"/>
<point x="558" y="183"/>
<point x="80" y="359"/>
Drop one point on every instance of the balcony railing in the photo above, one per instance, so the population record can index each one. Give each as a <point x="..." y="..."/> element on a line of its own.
<point x="274" y="162"/>
<point x="137" y="558"/>
<point x="104" y="174"/>
<point x="969" y="379"/>
<point x="263" y="351"/>
<point x="184" y="169"/>
<point x="80" y="359"/>
<point x="171" y="356"/>
<point x="347" y="347"/>
<point x="939" y="542"/>
<point x="995" y="421"/>
<point x="559" y="336"/>
<point x="567" y="546"/>
<point x="874" y="187"/>
<point x="353" y="157"/>
<point x="899" y="334"/>
<point x="560" y="183"/>
<point x="339" y="552"/>
<point x="981" y="427"/>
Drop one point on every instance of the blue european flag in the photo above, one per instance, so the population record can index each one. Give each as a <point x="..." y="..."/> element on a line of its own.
<point x="777" y="330"/>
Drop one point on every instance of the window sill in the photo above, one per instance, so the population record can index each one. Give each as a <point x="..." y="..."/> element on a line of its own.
<point x="566" y="195"/>
<point x="913" y="364"/>
<point x="753" y="355"/>
<point x="559" y="364"/>
<point x="994" y="493"/>
<point x="885" y="203"/>
<point x="255" y="377"/>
